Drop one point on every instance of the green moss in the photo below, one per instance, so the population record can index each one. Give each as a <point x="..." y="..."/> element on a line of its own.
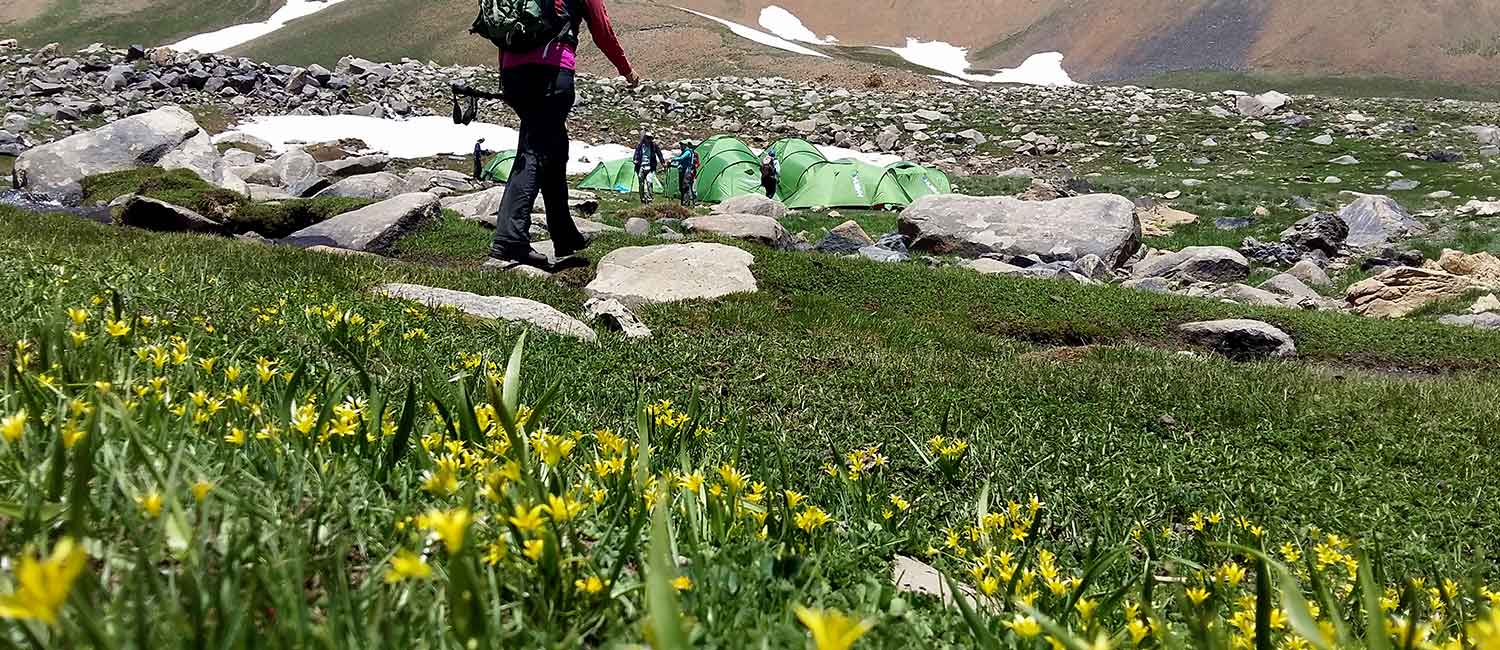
<point x="183" y="188"/>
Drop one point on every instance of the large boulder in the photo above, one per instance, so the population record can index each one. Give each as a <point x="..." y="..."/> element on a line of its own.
<point x="1068" y="228"/>
<point x="373" y="228"/>
<point x="756" y="204"/>
<point x="671" y="272"/>
<point x="1241" y="339"/>
<point x="479" y="206"/>
<point x="1403" y="290"/>
<point x="137" y="141"/>
<point x="1196" y="263"/>
<point x="1259" y="106"/>
<point x="1295" y="292"/>
<point x="1376" y="220"/>
<point x="1319" y="232"/>
<point x="1310" y="274"/>
<point x="377" y="186"/>
<point x="750" y="227"/>
<point x="506" y="308"/>
<point x="368" y="164"/>
<point x="143" y="212"/>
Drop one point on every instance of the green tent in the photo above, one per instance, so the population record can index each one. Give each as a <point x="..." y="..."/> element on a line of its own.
<point x="904" y="182"/>
<point x="839" y="184"/>
<point x="797" y="156"/>
<point x="498" y="168"/>
<point x="616" y="176"/>
<point x="727" y="168"/>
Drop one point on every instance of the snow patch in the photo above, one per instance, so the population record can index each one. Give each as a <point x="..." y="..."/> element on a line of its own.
<point x="1043" y="69"/>
<point x="760" y="36"/>
<point x="418" y="137"/>
<point x="840" y="153"/>
<point x="223" y="39"/>
<point x="787" y="25"/>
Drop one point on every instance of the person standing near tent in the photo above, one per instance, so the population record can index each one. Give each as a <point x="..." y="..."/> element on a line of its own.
<point x="537" y="76"/>
<point x="687" y="173"/>
<point x="647" y="160"/>
<point x="770" y="172"/>
<point x="479" y="160"/>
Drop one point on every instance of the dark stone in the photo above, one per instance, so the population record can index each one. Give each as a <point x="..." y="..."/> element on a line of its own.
<point x="1272" y="253"/>
<point x="135" y="53"/>
<point x="1233" y="223"/>
<point x="1322" y="232"/>
<point x="1443" y="156"/>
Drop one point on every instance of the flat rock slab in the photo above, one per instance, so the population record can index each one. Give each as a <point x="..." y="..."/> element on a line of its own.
<point x="371" y="229"/>
<point x="1241" y="339"/>
<point x="914" y="576"/>
<point x="377" y="186"/>
<point x="1095" y="224"/>
<point x="519" y="310"/>
<point x="137" y="141"/>
<point x="1403" y="290"/>
<point x="1484" y="321"/>
<point x="749" y="227"/>
<point x="1199" y="263"/>
<point x="614" y="315"/>
<point x="752" y="204"/>
<point x="671" y="272"/>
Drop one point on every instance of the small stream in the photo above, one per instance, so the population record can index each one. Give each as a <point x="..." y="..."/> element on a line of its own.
<point x="45" y="204"/>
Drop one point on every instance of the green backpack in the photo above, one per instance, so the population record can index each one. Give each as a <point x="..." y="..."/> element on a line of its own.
<point x="522" y="25"/>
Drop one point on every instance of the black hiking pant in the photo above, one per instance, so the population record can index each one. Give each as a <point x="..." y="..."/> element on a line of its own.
<point x="770" y="183"/>
<point x="542" y="96"/>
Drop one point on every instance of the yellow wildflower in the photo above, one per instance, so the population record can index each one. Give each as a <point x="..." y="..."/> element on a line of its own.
<point x="406" y="565"/>
<point x="201" y="490"/>
<point x="450" y="526"/>
<point x="534" y="549"/>
<point x="1025" y="627"/>
<point x="592" y="585"/>
<point x="1138" y="630"/>
<point x="682" y="583"/>
<point x="150" y="503"/>
<point x="812" y="518"/>
<point x="13" y="427"/>
<point x="1086" y="607"/>
<point x="42" y="585"/>
<point x="78" y="316"/>
<point x="116" y="328"/>
<point x="527" y="519"/>
<point x="831" y="629"/>
<point x="733" y="478"/>
<point x="236" y="436"/>
<point x="1198" y="595"/>
<point x="563" y="508"/>
<point x="1231" y="573"/>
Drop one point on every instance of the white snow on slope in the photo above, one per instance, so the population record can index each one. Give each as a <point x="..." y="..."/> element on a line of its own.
<point x="785" y="24"/>
<point x="1043" y="69"/>
<point x="418" y="137"/>
<point x="840" y="153"/>
<point x="760" y="36"/>
<point x="228" y="37"/>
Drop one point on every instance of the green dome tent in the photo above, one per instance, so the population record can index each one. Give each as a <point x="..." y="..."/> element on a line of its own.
<point x="498" y="168"/>
<point x="727" y="168"/>
<point x="616" y="176"/>
<point x="839" y="184"/>
<point x="904" y="182"/>
<point x="797" y="156"/>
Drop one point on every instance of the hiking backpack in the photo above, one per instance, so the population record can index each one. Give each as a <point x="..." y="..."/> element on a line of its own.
<point x="523" y="25"/>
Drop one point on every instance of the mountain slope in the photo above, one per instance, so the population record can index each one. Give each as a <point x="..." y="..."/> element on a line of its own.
<point x="77" y="23"/>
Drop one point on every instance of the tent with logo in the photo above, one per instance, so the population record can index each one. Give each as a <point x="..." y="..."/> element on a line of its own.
<point x="797" y="156"/>
<point x="838" y="184"/>
<point x="904" y="182"/>
<point x="616" y="176"/>
<point x="498" y="168"/>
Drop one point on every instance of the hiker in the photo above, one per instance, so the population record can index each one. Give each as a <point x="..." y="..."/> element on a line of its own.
<point x="647" y="160"/>
<point x="537" y="79"/>
<point x="770" y="173"/>
<point x="687" y="173"/>
<point x="479" y="160"/>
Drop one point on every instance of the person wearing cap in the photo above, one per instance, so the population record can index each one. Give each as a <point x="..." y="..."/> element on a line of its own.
<point x="687" y="173"/>
<point x="479" y="160"/>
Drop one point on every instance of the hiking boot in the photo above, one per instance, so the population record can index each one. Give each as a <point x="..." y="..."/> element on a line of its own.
<point x="569" y="251"/>
<point x="527" y="257"/>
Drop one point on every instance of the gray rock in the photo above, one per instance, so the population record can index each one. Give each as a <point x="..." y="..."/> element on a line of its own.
<point x="1149" y="285"/>
<point x="1241" y="339"/>
<point x="1344" y="160"/>
<point x="238" y="158"/>
<point x="258" y="174"/>
<point x="1200" y="263"/>
<point x="196" y="154"/>
<point x="1319" y="232"/>
<point x="1323" y="140"/>
<point x="373" y="228"/>
<point x="1310" y="274"/>
<point x="1261" y="105"/>
<point x="1294" y="289"/>
<point x="844" y="239"/>
<point x="756" y="204"/>
<point x="750" y="227"/>
<point x="1403" y="185"/>
<point x="479" y="206"/>
<point x="1094" y="224"/>
<point x="637" y="226"/>
<point x="883" y="255"/>
<point x="516" y="310"/>
<point x="137" y="141"/>
<point x="242" y="139"/>
<point x="671" y="272"/>
<point x="1484" y="321"/>
<point x="261" y="193"/>
<point x="1376" y="220"/>
<point x="232" y="182"/>
<point x="368" y="164"/>
<point x="294" y="166"/>
<point x="142" y="212"/>
<point x="615" y="316"/>
<point x="377" y="186"/>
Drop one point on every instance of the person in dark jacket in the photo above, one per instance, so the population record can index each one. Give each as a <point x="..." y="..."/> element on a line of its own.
<point x="687" y="174"/>
<point x="770" y="173"/>
<point x="479" y="160"/>
<point x="647" y="160"/>
<point x="538" y="85"/>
